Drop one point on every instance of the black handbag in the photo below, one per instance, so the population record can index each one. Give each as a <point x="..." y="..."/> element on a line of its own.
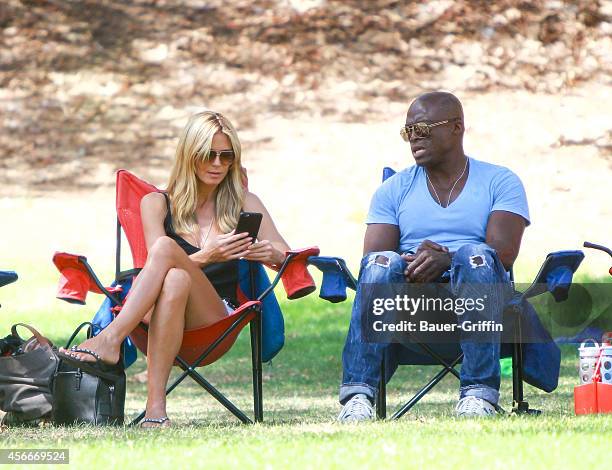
<point x="80" y="397"/>
<point x="26" y="371"/>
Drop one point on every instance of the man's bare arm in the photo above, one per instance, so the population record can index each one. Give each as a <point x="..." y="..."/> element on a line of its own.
<point x="381" y="237"/>
<point x="504" y="234"/>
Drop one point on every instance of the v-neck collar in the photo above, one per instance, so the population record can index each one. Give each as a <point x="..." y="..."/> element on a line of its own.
<point x="431" y="197"/>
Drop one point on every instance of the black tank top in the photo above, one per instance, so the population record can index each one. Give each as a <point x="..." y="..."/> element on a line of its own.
<point x="223" y="276"/>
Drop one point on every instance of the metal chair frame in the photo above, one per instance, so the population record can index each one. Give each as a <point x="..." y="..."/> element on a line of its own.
<point x="519" y="404"/>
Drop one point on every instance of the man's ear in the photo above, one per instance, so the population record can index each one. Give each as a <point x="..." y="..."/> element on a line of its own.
<point x="458" y="128"/>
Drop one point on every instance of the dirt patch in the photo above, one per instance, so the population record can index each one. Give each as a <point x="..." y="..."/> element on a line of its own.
<point x="88" y="86"/>
<point x="318" y="90"/>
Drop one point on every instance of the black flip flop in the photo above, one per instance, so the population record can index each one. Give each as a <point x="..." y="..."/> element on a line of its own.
<point x="98" y="368"/>
<point x="159" y="421"/>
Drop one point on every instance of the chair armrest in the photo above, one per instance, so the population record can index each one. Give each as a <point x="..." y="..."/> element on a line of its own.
<point x="294" y="273"/>
<point x="555" y="275"/>
<point x="77" y="278"/>
<point x="336" y="277"/>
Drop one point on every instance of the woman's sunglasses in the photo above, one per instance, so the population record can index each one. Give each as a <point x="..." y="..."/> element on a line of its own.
<point x="225" y="156"/>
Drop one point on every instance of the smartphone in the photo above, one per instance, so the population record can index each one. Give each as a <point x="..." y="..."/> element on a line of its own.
<point x="249" y="222"/>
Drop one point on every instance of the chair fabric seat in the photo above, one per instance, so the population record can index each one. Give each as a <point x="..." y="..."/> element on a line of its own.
<point x="414" y="355"/>
<point x="196" y="341"/>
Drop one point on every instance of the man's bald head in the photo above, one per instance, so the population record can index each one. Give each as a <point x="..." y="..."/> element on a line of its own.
<point x="444" y="141"/>
<point x="438" y="105"/>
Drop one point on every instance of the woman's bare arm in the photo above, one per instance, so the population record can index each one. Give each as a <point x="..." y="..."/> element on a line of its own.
<point x="152" y="212"/>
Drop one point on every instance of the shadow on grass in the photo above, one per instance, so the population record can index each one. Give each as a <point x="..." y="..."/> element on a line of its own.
<point x="301" y="383"/>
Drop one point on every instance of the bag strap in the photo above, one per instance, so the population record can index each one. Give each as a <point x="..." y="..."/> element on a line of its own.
<point x="40" y="338"/>
<point x="78" y="330"/>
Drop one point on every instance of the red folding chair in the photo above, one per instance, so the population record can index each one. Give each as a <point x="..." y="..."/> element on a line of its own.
<point x="201" y="346"/>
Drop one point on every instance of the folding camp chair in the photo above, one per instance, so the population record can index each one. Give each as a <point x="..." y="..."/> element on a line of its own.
<point x="555" y="276"/>
<point x="201" y="346"/>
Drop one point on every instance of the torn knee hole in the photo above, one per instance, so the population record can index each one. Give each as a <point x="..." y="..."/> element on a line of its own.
<point x="478" y="261"/>
<point x="382" y="260"/>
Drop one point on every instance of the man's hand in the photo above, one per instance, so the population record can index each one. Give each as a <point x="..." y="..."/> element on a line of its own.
<point x="429" y="262"/>
<point x="429" y="245"/>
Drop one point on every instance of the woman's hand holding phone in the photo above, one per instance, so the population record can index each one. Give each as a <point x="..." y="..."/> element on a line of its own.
<point x="225" y="247"/>
<point x="241" y="243"/>
<point x="264" y="252"/>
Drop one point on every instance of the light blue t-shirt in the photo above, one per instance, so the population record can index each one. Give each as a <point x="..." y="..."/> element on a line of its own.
<point x="404" y="200"/>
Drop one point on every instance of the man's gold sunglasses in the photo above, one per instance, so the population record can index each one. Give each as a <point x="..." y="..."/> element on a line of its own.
<point x="421" y="129"/>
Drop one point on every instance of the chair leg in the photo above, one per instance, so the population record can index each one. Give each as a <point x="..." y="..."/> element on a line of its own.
<point x="431" y="384"/>
<point x="519" y="404"/>
<point x="216" y="394"/>
<point x="442" y="362"/>
<point x="517" y="374"/>
<point x="137" y="419"/>
<point x="189" y="369"/>
<point x="381" y="397"/>
<point x="255" y="328"/>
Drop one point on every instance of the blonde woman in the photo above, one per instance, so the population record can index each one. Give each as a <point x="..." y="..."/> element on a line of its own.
<point x="191" y="274"/>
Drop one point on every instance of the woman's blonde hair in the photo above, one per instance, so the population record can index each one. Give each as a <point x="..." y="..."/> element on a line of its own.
<point x="194" y="146"/>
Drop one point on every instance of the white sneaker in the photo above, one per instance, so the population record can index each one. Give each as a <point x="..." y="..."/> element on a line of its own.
<point x="474" y="407"/>
<point x="357" y="409"/>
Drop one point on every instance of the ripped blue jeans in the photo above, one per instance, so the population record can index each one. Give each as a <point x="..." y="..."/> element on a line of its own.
<point x="472" y="264"/>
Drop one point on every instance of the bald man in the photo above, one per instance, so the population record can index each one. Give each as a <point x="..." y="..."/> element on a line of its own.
<point x="448" y="218"/>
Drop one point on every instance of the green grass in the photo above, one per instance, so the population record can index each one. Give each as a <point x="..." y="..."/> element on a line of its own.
<point x="300" y="404"/>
